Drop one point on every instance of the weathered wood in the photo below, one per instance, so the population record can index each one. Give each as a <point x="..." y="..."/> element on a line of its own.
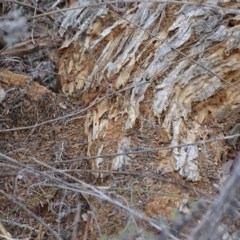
<point x="167" y="75"/>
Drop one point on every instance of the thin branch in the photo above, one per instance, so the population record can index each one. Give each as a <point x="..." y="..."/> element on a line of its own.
<point x="156" y="149"/>
<point x="76" y="221"/>
<point x="124" y="1"/>
<point x="208" y="225"/>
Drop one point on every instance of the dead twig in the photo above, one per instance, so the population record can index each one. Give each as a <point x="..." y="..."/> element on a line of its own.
<point x="89" y="219"/>
<point x="27" y="47"/>
<point x="150" y="149"/>
<point x="210" y="222"/>
<point x="76" y="222"/>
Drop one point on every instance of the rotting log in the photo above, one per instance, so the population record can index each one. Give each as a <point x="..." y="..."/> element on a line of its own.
<point x="156" y="75"/>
